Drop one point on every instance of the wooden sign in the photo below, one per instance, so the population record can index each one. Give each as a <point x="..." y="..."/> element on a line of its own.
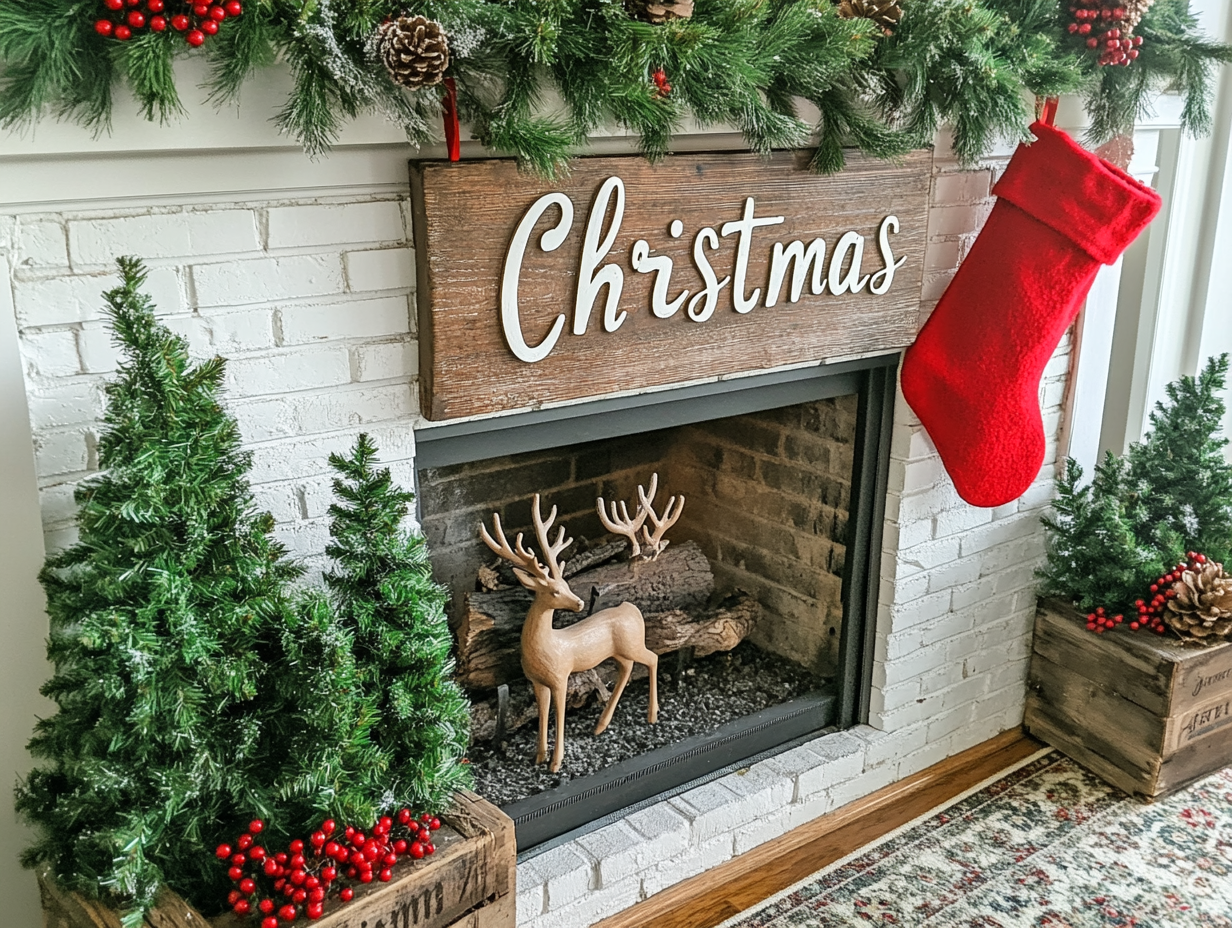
<point x="627" y="275"/>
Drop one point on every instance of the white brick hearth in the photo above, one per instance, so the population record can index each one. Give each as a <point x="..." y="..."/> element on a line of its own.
<point x="311" y="298"/>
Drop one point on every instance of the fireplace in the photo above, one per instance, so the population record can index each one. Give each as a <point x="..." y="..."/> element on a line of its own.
<point x="784" y="479"/>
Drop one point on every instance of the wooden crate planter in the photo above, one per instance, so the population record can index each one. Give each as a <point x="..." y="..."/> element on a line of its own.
<point x="1146" y="713"/>
<point x="468" y="883"/>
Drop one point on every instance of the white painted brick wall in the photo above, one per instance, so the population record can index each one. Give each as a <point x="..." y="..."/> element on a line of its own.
<point x="312" y="302"/>
<point x="309" y="301"/>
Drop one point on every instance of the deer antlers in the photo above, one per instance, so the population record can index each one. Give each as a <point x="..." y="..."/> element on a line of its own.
<point x="523" y="559"/>
<point x="629" y="527"/>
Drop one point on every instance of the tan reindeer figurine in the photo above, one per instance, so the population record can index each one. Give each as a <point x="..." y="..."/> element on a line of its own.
<point x="550" y="654"/>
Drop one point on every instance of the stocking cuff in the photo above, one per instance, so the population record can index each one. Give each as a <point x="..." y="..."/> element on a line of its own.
<point x="1096" y="205"/>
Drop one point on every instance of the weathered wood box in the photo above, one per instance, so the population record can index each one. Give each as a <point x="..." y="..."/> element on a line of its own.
<point x="468" y="883"/>
<point x="1146" y="713"/>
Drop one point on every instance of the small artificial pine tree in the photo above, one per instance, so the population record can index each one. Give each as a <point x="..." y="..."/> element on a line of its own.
<point x="1168" y="495"/>
<point x="1182" y="478"/>
<point x="194" y="689"/>
<point x="384" y="590"/>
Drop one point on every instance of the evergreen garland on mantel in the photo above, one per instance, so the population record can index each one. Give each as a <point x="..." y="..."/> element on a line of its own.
<point x="880" y="85"/>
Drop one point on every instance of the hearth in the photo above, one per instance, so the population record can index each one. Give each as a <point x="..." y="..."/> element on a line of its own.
<point x="783" y="476"/>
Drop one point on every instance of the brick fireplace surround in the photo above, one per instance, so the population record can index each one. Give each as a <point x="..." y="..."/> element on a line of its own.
<point x="310" y="294"/>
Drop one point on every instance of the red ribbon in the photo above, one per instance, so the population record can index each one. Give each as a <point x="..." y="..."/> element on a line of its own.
<point x="449" y="110"/>
<point x="1048" y="112"/>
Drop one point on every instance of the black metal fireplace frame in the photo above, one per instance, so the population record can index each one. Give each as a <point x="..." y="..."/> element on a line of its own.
<point x="543" y="819"/>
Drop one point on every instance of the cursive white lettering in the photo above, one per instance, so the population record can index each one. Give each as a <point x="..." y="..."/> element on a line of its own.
<point x="709" y="297"/>
<point x="881" y="280"/>
<point x="744" y="227"/>
<point x="552" y="239"/>
<point x="852" y="282"/>
<point x="661" y="267"/>
<point x="803" y="260"/>
<point x="592" y="277"/>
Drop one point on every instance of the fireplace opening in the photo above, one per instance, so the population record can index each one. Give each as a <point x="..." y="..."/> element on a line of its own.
<point x="756" y="607"/>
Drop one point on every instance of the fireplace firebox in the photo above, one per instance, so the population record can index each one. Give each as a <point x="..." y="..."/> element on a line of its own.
<point x="784" y="477"/>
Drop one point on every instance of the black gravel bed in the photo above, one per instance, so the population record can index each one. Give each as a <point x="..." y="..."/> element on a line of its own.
<point x="710" y="692"/>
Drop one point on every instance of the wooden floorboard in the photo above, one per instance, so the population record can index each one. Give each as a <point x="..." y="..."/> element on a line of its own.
<point x="708" y="898"/>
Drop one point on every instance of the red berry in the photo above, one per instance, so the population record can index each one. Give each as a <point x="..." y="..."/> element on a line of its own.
<point x="244" y="842"/>
<point x="266" y="905"/>
<point x="179" y="23"/>
<point x="236" y="873"/>
<point x="201" y="10"/>
<point x="103" y="26"/>
<point x="386" y="823"/>
<point x="114" y="4"/>
<point x="1100" y="630"/>
<point x="352" y="873"/>
<point x="417" y="850"/>
<point x="298" y="861"/>
<point x="209" y="27"/>
<point x="271" y="867"/>
<point x="1200" y="558"/>
<point x="241" y="907"/>
<point x="298" y="877"/>
<point x="389" y="859"/>
<point x="400" y="846"/>
<point x="429" y="848"/>
<point x="1134" y="625"/>
<point x="256" y="826"/>
<point x="357" y="838"/>
<point x="136" y="19"/>
<point x="435" y="824"/>
<point x="315" y="910"/>
<point x="1073" y="27"/>
<point x="158" y="23"/>
<point x="316" y="895"/>
<point x="278" y="885"/>
<point x="331" y="849"/>
<point x="311" y="882"/>
<point x="256" y="853"/>
<point x="366" y="876"/>
<point x="1084" y="29"/>
<point x="218" y="14"/>
<point x="318" y="838"/>
<point x="386" y="875"/>
<point x="347" y="894"/>
<point x="328" y="874"/>
<point x="328" y="826"/>
<point x="248" y="886"/>
<point x="350" y="830"/>
<point x="288" y="913"/>
<point x="223" y="851"/>
<point x="195" y="38"/>
<point x="1090" y="626"/>
<point x="155" y="6"/>
<point x="299" y="895"/>
<point x="234" y="896"/>
<point x="404" y="816"/>
<point x="270" y="922"/>
<point x="296" y="846"/>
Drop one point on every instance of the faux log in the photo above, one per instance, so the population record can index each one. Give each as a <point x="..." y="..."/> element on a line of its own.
<point x="489" y="634"/>
<point x="1150" y="715"/>
<point x="470" y="882"/>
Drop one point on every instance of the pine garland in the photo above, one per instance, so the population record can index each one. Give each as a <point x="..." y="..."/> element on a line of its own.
<point x="744" y="63"/>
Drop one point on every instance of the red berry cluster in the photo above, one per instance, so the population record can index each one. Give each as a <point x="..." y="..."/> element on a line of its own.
<point x="195" y="19"/>
<point x="1101" y="25"/>
<point x="304" y="874"/>
<point x="1150" y="612"/>
<point x="663" y="88"/>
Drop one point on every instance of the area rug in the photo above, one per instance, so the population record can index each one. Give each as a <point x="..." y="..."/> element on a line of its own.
<point x="1047" y="845"/>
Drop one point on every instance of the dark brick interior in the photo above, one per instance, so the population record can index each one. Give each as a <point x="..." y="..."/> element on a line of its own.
<point x="767" y="498"/>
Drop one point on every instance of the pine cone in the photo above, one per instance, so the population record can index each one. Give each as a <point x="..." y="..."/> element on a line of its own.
<point x="885" y="13"/>
<point x="659" y="11"/>
<point x="1202" y="607"/>
<point x="1134" y="11"/>
<point x="414" y="49"/>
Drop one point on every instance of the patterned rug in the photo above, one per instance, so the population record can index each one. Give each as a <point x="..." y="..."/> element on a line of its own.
<point x="1045" y="846"/>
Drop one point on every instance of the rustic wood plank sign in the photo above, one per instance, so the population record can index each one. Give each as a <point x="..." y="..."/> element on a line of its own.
<point x="627" y="275"/>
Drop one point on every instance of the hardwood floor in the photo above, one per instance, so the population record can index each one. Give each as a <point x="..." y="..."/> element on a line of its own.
<point x="708" y="898"/>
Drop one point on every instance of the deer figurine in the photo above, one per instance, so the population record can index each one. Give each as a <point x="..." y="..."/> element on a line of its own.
<point x="550" y="654"/>
<point x="620" y="523"/>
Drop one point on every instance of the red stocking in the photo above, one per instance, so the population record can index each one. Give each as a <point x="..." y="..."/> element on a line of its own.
<point x="973" y="374"/>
